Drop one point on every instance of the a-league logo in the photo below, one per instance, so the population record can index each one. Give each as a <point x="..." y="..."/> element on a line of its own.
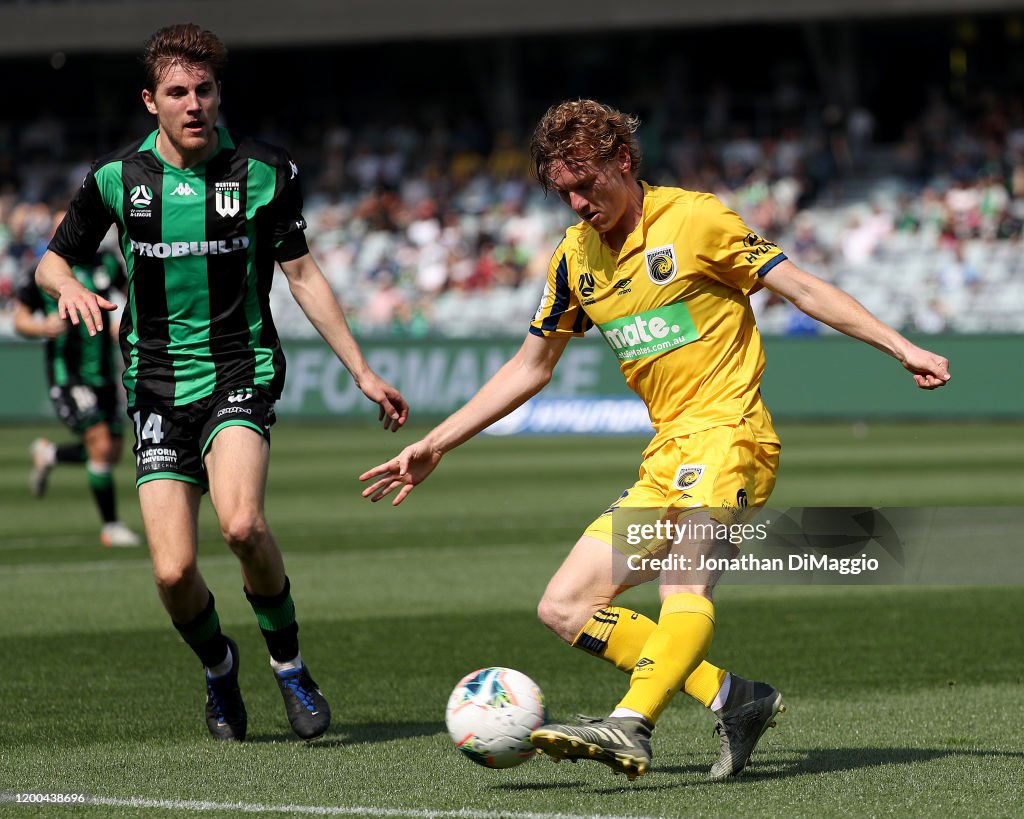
<point x="141" y="196"/>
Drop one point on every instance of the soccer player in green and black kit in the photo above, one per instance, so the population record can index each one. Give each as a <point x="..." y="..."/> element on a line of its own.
<point x="80" y="372"/>
<point x="202" y="216"/>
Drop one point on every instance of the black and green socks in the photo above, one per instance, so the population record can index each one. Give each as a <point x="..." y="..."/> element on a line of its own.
<point x="101" y="482"/>
<point x="69" y="453"/>
<point x="276" y="618"/>
<point x="204" y="637"/>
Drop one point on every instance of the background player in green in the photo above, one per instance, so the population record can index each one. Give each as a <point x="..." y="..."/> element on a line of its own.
<point x="203" y="214"/>
<point x="80" y="373"/>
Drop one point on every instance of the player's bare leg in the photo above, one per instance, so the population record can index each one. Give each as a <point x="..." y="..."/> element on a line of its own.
<point x="170" y="511"/>
<point x="582" y="586"/>
<point x="103" y="451"/>
<point x="237" y="463"/>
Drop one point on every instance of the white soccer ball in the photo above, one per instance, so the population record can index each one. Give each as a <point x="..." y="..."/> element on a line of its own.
<point x="491" y="713"/>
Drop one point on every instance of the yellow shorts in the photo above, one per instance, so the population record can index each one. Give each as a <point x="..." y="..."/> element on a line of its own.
<point x="718" y="468"/>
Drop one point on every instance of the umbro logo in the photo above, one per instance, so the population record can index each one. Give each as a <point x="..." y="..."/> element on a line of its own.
<point x="644" y="662"/>
<point x="622" y="286"/>
<point x="184" y="189"/>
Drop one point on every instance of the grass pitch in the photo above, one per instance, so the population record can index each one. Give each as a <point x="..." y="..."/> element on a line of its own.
<point x="902" y="701"/>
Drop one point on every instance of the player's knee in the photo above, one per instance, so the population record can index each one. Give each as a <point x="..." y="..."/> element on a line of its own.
<point x="101" y="451"/>
<point x="564" y="617"/>
<point x="245" y="532"/>
<point x="172" y="576"/>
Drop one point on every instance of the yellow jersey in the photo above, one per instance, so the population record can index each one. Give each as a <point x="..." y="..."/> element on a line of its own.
<point x="673" y="306"/>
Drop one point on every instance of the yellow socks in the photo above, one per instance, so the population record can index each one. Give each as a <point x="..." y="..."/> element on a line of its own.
<point x="677" y="645"/>
<point x="618" y="635"/>
<point x="705" y="682"/>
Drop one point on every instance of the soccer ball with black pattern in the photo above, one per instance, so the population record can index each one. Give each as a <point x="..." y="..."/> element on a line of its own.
<point x="490" y="716"/>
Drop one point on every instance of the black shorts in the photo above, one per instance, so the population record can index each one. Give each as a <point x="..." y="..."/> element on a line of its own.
<point x="171" y="442"/>
<point x="80" y="407"/>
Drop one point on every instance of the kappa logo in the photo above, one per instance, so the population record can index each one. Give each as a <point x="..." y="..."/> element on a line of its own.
<point x="184" y="189"/>
<point x="141" y="196"/>
<point x="586" y="284"/>
<point x="295" y="169"/>
<point x="661" y="264"/>
<point x="688" y="475"/>
<point x="237" y="396"/>
<point x="227" y="198"/>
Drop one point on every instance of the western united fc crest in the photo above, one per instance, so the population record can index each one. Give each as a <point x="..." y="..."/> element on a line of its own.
<point x="227" y="197"/>
<point x="661" y="264"/>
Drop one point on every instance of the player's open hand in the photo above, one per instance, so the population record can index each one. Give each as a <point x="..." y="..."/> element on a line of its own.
<point x="411" y="467"/>
<point x="930" y="370"/>
<point x="393" y="408"/>
<point x="81" y="305"/>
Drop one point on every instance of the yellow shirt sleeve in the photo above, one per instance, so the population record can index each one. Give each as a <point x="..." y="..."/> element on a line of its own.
<point x="560" y="312"/>
<point x="733" y="253"/>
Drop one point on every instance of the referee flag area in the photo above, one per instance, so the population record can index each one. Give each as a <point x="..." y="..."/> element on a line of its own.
<point x="902" y="699"/>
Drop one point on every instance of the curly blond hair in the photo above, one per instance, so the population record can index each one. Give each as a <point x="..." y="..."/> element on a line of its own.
<point x="184" y="44"/>
<point x="577" y="131"/>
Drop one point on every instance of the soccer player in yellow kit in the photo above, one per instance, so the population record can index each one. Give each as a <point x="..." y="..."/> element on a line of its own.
<point x="665" y="274"/>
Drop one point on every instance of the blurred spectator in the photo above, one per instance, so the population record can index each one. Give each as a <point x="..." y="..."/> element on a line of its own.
<point x="417" y="226"/>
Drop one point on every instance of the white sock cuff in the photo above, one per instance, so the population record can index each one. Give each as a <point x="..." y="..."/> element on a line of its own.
<point x="723" y="694"/>
<point x="223" y="667"/>
<point x="291" y="665"/>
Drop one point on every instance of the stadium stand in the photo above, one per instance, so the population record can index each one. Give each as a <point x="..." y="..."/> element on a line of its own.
<point x="433" y="224"/>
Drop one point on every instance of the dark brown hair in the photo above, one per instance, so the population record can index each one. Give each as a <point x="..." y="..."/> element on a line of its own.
<point x="184" y="44"/>
<point x="580" y="131"/>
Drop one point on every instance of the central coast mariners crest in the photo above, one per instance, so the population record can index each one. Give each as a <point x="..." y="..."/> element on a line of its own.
<point x="661" y="264"/>
<point x="688" y="475"/>
<point x="227" y="198"/>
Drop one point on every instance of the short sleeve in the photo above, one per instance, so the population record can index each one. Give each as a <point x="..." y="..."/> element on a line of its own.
<point x="288" y="224"/>
<point x="84" y="225"/>
<point x="732" y="253"/>
<point x="559" y="312"/>
<point x="28" y="293"/>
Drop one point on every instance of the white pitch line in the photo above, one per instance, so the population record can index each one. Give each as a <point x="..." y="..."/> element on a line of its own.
<point x="197" y="806"/>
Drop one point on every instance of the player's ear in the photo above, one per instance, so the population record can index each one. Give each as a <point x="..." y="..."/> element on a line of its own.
<point x="148" y="100"/>
<point x="623" y="160"/>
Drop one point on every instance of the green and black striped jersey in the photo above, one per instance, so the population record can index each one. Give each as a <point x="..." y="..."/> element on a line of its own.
<point x="77" y="357"/>
<point x="200" y="246"/>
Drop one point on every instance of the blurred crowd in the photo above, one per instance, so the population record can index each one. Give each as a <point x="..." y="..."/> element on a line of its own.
<point x="444" y="230"/>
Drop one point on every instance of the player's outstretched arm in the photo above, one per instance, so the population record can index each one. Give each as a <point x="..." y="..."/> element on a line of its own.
<point x="842" y="312"/>
<point x="74" y="300"/>
<point x="30" y="325"/>
<point x="518" y="380"/>
<point x="314" y="295"/>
